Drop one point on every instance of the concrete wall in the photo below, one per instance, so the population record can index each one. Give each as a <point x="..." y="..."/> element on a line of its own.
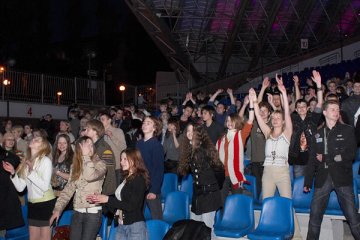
<point x="21" y="110"/>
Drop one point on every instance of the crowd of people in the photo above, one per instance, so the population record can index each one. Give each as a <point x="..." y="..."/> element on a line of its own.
<point x="113" y="162"/>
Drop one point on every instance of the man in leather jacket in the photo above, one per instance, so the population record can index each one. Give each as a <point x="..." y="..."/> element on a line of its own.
<point x="331" y="155"/>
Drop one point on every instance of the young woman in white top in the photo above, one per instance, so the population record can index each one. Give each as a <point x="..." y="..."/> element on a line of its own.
<point x="276" y="166"/>
<point x="35" y="174"/>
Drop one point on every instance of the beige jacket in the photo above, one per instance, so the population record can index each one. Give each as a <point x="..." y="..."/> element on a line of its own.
<point x="89" y="182"/>
<point x="117" y="143"/>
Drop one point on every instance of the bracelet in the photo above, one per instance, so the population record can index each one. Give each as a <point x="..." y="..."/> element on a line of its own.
<point x="319" y="89"/>
<point x="255" y="101"/>
<point x="251" y="109"/>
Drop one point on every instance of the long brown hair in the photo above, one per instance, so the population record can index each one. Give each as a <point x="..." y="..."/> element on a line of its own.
<point x="137" y="164"/>
<point x="201" y="143"/>
<point x="44" y="150"/>
<point x="235" y="118"/>
<point x="77" y="165"/>
<point x="69" y="152"/>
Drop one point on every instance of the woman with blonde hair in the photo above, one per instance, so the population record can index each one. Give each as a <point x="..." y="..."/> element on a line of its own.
<point x="276" y="166"/>
<point x="86" y="177"/>
<point x="35" y="174"/>
<point x="8" y="142"/>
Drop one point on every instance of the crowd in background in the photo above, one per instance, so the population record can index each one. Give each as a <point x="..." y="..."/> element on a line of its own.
<point x="113" y="160"/>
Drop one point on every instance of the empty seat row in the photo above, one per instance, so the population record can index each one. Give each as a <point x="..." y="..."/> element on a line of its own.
<point x="237" y="218"/>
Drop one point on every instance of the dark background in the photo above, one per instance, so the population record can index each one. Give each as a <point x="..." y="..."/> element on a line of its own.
<point x="57" y="36"/>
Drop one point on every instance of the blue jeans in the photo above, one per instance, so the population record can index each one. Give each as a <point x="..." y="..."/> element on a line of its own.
<point x="135" y="231"/>
<point x="319" y="203"/>
<point x="85" y="226"/>
<point x="299" y="170"/>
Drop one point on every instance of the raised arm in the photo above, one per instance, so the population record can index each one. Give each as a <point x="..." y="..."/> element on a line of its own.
<point x="288" y="122"/>
<point x="251" y="111"/>
<point x="262" y="124"/>
<point x="231" y="96"/>
<point x="191" y="98"/>
<point x="264" y="86"/>
<point x="270" y="101"/>
<point x="243" y="107"/>
<point x="187" y="98"/>
<point x="296" y="87"/>
<point x="319" y="93"/>
<point x="213" y="97"/>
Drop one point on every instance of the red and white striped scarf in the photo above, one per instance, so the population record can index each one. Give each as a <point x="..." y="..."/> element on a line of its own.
<point x="235" y="163"/>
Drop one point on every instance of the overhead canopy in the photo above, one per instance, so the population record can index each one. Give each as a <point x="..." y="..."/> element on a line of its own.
<point x="210" y="40"/>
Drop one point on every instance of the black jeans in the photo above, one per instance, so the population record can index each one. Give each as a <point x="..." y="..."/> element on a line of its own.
<point x="257" y="170"/>
<point x="228" y="189"/>
<point x="85" y="226"/>
<point x="319" y="203"/>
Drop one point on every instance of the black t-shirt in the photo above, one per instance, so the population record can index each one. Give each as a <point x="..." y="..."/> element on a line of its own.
<point x="215" y="130"/>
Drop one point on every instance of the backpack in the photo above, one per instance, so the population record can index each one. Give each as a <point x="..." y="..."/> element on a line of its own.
<point x="61" y="233"/>
<point x="187" y="230"/>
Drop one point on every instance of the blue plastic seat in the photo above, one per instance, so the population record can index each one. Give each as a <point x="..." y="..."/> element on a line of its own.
<point x="301" y="200"/>
<point x="112" y="232"/>
<point x="252" y="186"/>
<point x="356" y="176"/>
<point x="276" y="220"/>
<point x="176" y="207"/>
<point x="103" y="228"/>
<point x="333" y="207"/>
<point x="187" y="185"/>
<point x="157" y="229"/>
<point x="65" y="218"/>
<point x="291" y="171"/>
<point x="147" y="213"/>
<point x="19" y="233"/>
<point x="237" y="218"/>
<point x="247" y="162"/>
<point x="258" y="203"/>
<point x="170" y="184"/>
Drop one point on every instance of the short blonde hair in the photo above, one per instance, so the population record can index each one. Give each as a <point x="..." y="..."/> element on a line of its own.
<point x="18" y="128"/>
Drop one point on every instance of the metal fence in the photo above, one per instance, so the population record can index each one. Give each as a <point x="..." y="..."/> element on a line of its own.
<point x="40" y="88"/>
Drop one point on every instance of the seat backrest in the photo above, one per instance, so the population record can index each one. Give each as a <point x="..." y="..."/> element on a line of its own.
<point x="65" y="218"/>
<point x="291" y="171"/>
<point x="355" y="170"/>
<point x="147" y="212"/>
<point x="176" y="207"/>
<point x="238" y="212"/>
<point x="301" y="200"/>
<point x="187" y="185"/>
<point x="277" y="215"/>
<point x="157" y="229"/>
<point x="252" y="186"/>
<point x="112" y="232"/>
<point x="103" y="228"/>
<point x="170" y="184"/>
<point x="357" y="157"/>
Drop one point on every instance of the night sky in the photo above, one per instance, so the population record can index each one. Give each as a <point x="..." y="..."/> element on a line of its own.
<point x="56" y="36"/>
